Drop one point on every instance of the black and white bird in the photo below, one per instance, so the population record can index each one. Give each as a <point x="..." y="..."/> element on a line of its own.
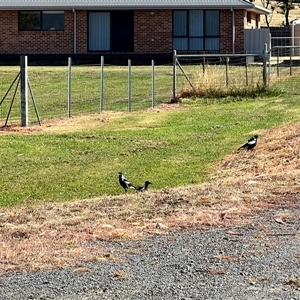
<point x="250" y="144"/>
<point x="125" y="184"/>
<point x="144" y="187"/>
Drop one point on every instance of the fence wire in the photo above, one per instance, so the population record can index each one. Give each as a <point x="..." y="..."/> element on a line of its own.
<point x="285" y="69"/>
<point x="91" y="89"/>
<point x="209" y="73"/>
<point x="58" y="93"/>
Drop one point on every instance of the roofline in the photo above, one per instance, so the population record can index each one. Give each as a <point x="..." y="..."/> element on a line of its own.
<point x="260" y="9"/>
<point x="250" y="7"/>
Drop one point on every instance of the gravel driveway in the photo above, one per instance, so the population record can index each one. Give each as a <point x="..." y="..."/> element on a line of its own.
<point x="258" y="261"/>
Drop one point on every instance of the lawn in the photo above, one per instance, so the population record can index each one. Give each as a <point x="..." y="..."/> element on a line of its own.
<point x="171" y="145"/>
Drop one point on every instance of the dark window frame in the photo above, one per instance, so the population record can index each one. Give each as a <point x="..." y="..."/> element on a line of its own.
<point x="204" y="36"/>
<point x="41" y="20"/>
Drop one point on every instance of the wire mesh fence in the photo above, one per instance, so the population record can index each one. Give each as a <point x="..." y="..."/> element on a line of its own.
<point x="219" y="74"/>
<point x="85" y="89"/>
<point x="284" y="70"/>
<point x="64" y="91"/>
<point x="10" y="93"/>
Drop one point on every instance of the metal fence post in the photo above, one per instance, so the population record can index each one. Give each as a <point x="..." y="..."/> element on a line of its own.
<point x="174" y="74"/>
<point x="102" y="84"/>
<point x="277" y="62"/>
<point x="153" y="82"/>
<point x="24" y="91"/>
<point x="129" y="85"/>
<point x="226" y="71"/>
<point x="265" y="76"/>
<point x="69" y="85"/>
<point x="291" y="63"/>
<point x="246" y="71"/>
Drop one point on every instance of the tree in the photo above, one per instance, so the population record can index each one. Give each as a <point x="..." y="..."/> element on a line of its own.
<point x="268" y="4"/>
<point x="285" y="6"/>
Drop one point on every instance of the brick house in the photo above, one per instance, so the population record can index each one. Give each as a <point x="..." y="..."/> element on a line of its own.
<point x="127" y="28"/>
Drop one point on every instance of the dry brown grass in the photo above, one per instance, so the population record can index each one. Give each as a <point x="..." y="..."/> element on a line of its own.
<point x="293" y="282"/>
<point x="61" y="234"/>
<point x="217" y="271"/>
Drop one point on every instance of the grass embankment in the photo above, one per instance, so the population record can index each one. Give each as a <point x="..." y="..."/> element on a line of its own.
<point x="79" y="158"/>
<point x="42" y="236"/>
<point x="180" y="148"/>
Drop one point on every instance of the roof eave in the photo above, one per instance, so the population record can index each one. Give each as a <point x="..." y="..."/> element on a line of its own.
<point x="260" y="10"/>
<point x="255" y="8"/>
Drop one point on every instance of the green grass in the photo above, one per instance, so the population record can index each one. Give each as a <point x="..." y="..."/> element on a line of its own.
<point x="170" y="148"/>
<point x="50" y="89"/>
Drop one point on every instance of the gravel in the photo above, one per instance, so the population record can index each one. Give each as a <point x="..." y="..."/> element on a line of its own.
<point x="256" y="261"/>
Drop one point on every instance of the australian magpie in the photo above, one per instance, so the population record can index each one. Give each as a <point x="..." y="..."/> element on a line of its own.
<point x="125" y="184"/>
<point x="144" y="187"/>
<point x="250" y="144"/>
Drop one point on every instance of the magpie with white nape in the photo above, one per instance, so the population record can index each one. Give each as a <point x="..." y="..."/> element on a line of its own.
<point x="144" y="187"/>
<point x="125" y="184"/>
<point x="250" y="144"/>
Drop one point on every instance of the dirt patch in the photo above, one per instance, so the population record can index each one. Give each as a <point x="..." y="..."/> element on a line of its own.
<point x="80" y="123"/>
<point x="59" y="235"/>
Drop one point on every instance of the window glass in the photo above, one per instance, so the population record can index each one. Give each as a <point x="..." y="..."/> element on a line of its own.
<point x="196" y="43"/>
<point x="212" y="44"/>
<point x="41" y="20"/>
<point x="52" y="20"/>
<point x="29" y="20"/>
<point x="180" y="43"/>
<point x="212" y="26"/>
<point x="196" y="22"/>
<point x="196" y="30"/>
<point x="180" y="23"/>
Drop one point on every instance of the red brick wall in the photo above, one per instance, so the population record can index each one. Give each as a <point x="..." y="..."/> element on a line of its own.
<point x="13" y="41"/>
<point x="153" y="31"/>
<point x="226" y="31"/>
<point x="81" y="32"/>
<point x="239" y="31"/>
<point x="152" y="34"/>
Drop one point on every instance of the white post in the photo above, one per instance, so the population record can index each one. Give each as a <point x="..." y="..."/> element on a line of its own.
<point x="153" y="87"/>
<point x="174" y="74"/>
<point x="265" y="73"/>
<point x="129" y="85"/>
<point x="102" y="83"/>
<point x="69" y="86"/>
<point x="24" y="91"/>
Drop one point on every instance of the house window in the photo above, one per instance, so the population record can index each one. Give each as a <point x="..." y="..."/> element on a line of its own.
<point x="41" y="20"/>
<point x="249" y="18"/>
<point x="196" y="30"/>
<point x="111" y="31"/>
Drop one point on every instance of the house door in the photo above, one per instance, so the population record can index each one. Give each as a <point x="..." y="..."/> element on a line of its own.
<point x="122" y="31"/>
<point x="111" y="31"/>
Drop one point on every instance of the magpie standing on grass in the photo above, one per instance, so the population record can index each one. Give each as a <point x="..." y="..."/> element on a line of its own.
<point x="250" y="144"/>
<point x="144" y="187"/>
<point x="125" y="184"/>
